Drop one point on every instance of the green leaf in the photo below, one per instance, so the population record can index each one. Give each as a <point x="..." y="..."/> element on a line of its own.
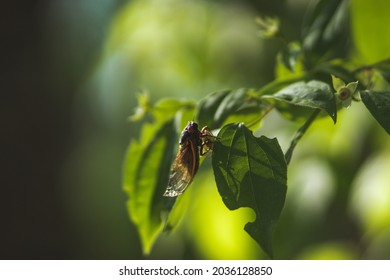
<point x="289" y="62"/>
<point x="251" y="172"/>
<point x="166" y="108"/>
<point x="294" y="113"/>
<point x="226" y="106"/>
<point x="325" y="30"/>
<point x="143" y="107"/>
<point x="269" y="26"/>
<point x="378" y="103"/>
<point x="314" y="94"/>
<point x="146" y="171"/>
<point x="249" y="114"/>
<point x="208" y="106"/>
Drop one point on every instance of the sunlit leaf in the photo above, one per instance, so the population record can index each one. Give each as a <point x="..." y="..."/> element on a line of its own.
<point x="146" y="170"/>
<point x="162" y="110"/>
<point x="144" y="106"/>
<point x="269" y="26"/>
<point x="378" y="103"/>
<point x="314" y="94"/>
<point x="338" y="83"/>
<point x="251" y="172"/>
<point x="166" y="108"/>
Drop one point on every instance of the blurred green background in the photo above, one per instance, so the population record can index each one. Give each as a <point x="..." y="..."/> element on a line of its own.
<point x="70" y="74"/>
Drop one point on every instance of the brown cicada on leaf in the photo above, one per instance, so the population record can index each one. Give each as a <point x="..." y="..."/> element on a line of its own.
<point x="193" y="143"/>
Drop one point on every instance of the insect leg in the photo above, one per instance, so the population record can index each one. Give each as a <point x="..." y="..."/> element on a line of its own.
<point x="207" y="138"/>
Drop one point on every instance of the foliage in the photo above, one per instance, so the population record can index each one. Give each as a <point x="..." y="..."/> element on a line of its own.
<point x="251" y="172"/>
<point x="312" y="76"/>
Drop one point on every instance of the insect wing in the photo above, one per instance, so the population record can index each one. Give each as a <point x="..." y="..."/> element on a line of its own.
<point x="184" y="168"/>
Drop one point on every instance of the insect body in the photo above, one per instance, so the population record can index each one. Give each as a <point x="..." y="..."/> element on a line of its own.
<point x="192" y="144"/>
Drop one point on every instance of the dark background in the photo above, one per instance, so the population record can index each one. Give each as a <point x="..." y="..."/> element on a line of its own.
<point x="38" y="87"/>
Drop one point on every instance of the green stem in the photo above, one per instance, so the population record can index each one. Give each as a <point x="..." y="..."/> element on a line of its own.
<point x="262" y="116"/>
<point x="298" y="135"/>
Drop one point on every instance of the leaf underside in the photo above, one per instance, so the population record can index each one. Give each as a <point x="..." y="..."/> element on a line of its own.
<point x="146" y="172"/>
<point x="313" y="94"/>
<point x="251" y="172"/>
<point x="378" y="103"/>
<point x="222" y="107"/>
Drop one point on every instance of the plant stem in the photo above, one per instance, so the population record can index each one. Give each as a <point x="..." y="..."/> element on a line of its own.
<point x="262" y="116"/>
<point x="298" y="135"/>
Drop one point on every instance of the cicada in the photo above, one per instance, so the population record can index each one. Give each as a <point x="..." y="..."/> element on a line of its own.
<point x="193" y="143"/>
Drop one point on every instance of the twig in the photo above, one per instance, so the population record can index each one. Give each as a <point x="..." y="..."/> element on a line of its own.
<point x="298" y="135"/>
<point x="262" y="116"/>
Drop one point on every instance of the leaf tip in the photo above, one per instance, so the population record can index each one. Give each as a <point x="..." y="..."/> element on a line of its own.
<point x="334" y="117"/>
